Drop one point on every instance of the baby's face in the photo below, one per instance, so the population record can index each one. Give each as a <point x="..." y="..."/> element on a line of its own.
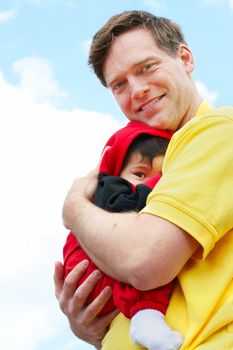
<point x="138" y="170"/>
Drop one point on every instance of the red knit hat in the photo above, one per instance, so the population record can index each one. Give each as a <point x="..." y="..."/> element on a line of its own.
<point x="119" y="142"/>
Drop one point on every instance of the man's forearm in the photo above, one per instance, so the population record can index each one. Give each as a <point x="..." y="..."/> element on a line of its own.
<point x="95" y="231"/>
<point x="140" y="249"/>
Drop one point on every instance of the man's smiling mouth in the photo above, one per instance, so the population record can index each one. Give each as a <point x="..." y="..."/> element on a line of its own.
<point x="149" y="104"/>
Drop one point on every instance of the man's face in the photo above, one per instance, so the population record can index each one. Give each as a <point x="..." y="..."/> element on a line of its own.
<point x="149" y="85"/>
<point x="139" y="170"/>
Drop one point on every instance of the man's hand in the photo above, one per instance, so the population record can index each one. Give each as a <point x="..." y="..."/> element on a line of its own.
<point x="82" y="188"/>
<point x="83" y="319"/>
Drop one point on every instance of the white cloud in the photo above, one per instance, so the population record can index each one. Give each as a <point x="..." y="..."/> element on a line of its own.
<point x="72" y="3"/>
<point x="44" y="3"/>
<point x="72" y="345"/>
<point x="217" y="3"/>
<point x="85" y="46"/>
<point x="39" y="2"/>
<point x="7" y="15"/>
<point x="214" y="2"/>
<point x="37" y="79"/>
<point x="36" y="2"/>
<point x="155" y="5"/>
<point x="211" y="96"/>
<point x="42" y="148"/>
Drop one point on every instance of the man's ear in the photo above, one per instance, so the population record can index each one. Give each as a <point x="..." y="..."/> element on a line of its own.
<point x="186" y="56"/>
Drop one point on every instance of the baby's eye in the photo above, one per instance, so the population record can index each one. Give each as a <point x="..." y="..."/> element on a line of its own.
<point x="140" y="175"/>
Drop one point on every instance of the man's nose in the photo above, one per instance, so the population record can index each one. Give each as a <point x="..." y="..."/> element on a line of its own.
<point x="139" y="88"/>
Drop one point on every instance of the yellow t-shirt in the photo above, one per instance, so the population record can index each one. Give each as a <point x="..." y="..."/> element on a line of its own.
<point x="196" y="194"/>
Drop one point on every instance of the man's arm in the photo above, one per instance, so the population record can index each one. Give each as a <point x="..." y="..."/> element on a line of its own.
<point x="141" y="249"/>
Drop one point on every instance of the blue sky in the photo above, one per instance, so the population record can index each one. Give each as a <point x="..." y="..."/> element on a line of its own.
<point x="54" y="120"/>
<point x="59" y="30"/>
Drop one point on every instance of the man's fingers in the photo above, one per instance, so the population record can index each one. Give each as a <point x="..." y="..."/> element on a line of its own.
<point x="72" y="279"/>
<point x="98" y="303"/>
<point x="101" y="323"/>
<point x="105" y="321"/>
<point x="58" y="278"/>
<point x="83" y="291"/>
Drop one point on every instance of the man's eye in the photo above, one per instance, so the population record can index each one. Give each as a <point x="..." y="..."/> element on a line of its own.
<point x="148" y="67"/>
<point x="117" y="87"/>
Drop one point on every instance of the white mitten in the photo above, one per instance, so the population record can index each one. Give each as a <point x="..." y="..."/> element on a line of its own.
<point x="149" y="329"/>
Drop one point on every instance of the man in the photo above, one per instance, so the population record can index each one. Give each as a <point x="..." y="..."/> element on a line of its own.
<point x="186" y="228"/>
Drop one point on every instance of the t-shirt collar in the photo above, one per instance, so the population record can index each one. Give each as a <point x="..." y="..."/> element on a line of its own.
<point x="203" y="108"/>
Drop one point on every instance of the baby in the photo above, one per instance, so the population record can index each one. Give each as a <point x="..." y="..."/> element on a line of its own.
<point x="129" y="170"/>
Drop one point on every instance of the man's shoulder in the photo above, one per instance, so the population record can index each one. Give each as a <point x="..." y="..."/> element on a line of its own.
<point x="211" y="124"/>
<point x="223" y="111"/>
<point x="213" y="116"/>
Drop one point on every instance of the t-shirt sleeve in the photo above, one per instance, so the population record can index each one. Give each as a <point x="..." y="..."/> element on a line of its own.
<point x="195" y="191"/>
